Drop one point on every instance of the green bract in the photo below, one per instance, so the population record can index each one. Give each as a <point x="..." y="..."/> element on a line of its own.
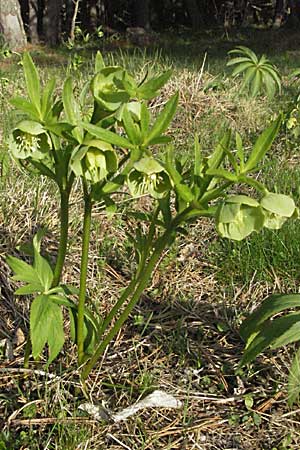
<point x="29" y="140"/>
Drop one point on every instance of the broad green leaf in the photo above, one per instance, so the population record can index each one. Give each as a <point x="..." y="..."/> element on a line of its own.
<point x="25" y="106"/>
<point x="220" y="151"/>
<point x="160" y="140"/>
<point x="41" y="265"/>
<point x="263" y="144"/>
<point x="46" y="327"/>
<point x="238" y="60"/>
<point x="107" y="136"/>
<point x="23" y="271"/>
<point x="269" y="85"/>
<point x="248" y="77"/>
<point x="280" y="204"/>
<point x="222" y="173"/>
<point x="268" y="333"/>
<point x="274" y="75"/>
<point x="29" y="289"/>
<point x="131" y="128"/>
<point x="271" y="306"/>
<point x="291" y="333"/>
<point x="163" y="119"/>
<point x="70" y="105"/>
<point x="294" y="380"/>
<point x="32" y="81"/>
<point x="145" y="119"/>
<point x="241" y="68"/>
<point x="46" y="98"/>
<point x="256" y="83"/>
<point x="245" y="50"/>
<point x="149" y="89"/>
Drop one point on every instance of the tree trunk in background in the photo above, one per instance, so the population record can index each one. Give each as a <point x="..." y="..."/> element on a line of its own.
<point x="11" y="24"/>
<point x="194" y="13"/>
<point x="33" y="21"/>
<point x="142" y="14"/>
<point x="52" y="22"/>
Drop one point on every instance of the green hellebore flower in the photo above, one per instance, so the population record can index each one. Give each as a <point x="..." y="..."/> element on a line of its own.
<point x="149" y="177"/>
<point x="29" y="140"/>
<point x="108" y="88"/>
<point x="238" y="217"/>
<point x="277" y="209"/>
<point x="94" y="160"/>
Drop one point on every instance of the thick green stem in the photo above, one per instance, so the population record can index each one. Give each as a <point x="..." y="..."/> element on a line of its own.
<point x="64" y="226"/>
<point x="142" y="283"/>
<point x="83" y="273"/>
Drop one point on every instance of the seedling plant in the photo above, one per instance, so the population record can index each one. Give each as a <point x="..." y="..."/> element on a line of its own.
<point x="107" y="137"/>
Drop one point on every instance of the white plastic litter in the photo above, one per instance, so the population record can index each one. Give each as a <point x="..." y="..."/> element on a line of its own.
<point x="157" y="399"/>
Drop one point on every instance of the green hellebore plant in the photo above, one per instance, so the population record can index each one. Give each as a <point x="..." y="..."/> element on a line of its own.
<point x="111" y="151"/>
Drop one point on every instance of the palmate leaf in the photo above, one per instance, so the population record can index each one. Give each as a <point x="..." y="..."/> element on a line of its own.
<point x="46" y="327"/>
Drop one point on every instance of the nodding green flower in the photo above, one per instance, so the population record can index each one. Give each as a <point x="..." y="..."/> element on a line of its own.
<point x="29" y="140"/>
<point x="149" y="177"/>
<point x="95" y="161"/>
<point x="238" y="217"/>
<point x="108" y="88"/>
<point x="277" y="208"/>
